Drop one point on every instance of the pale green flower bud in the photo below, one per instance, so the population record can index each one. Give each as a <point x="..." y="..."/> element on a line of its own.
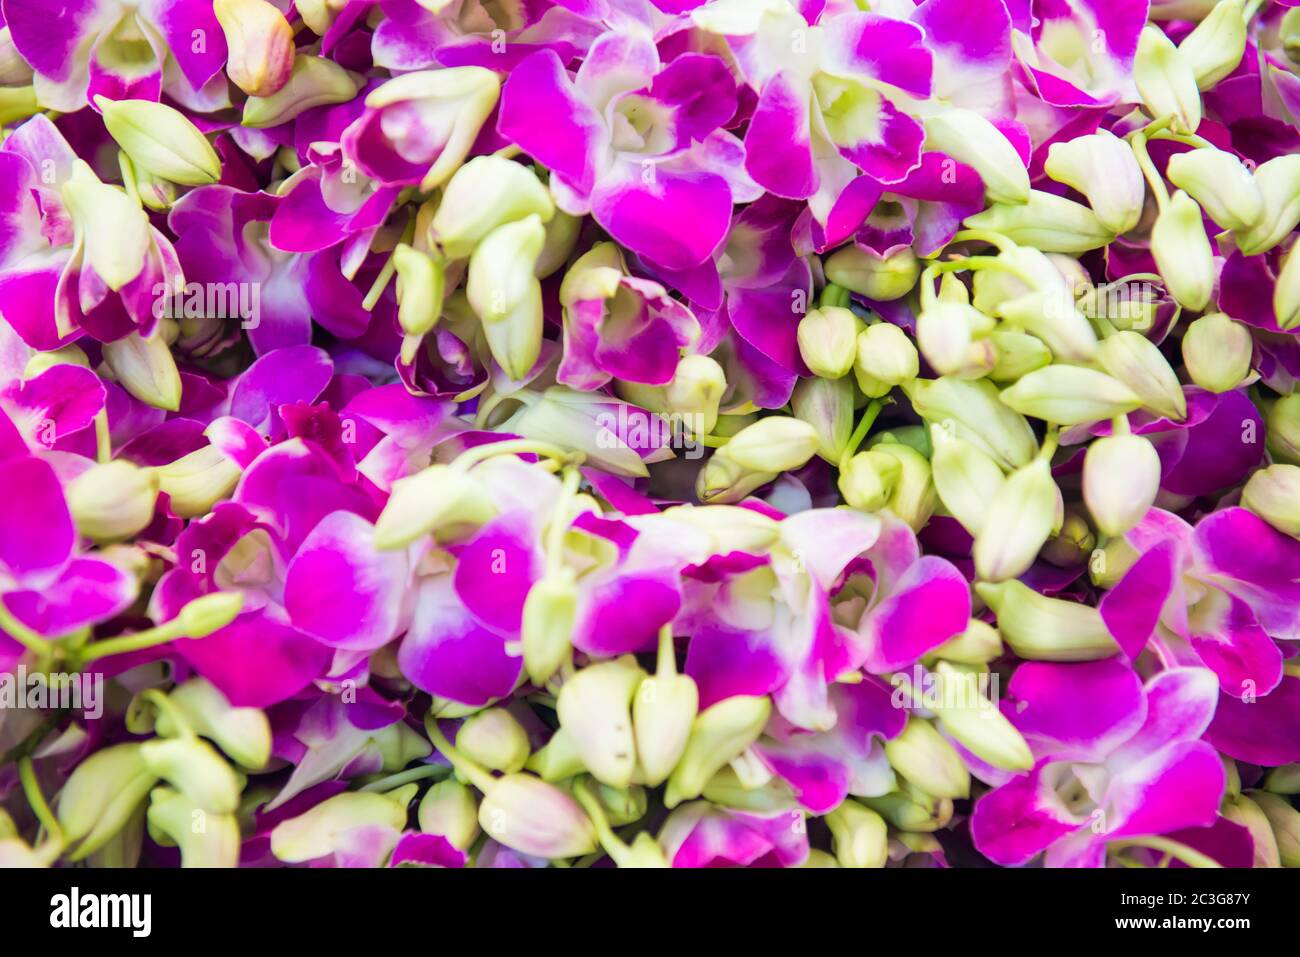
<point x="101" y="795"/>
<point x="663" y="713"/>
<point x="868" y="480"/>
<point x="1218" y="351"/>
<point x="260" y="42"/>
<point x="243" y="733"/>
<point x="858" y="835"/>
<point x="966" y="479"/>
<point x="421" y="283"/>
<point x="533" y="817"/>
<point x="1274" y="495"/>
<point x="696" y="391"/>
<point x="314" y="81"/>
<point x="1215" y="47"/>
<point x="1137" y="362"/>
<point x="487" y="192"/>
<point x="1240" y="809"/>
<point x="913" y="498"/>
<point x="1121" y="478"/>
<point x="1221" y="184"/>
<point x="1283" y="421"/>
<point x="1111" y="562"/>
<point x="1286" y="293"/>
<point x="161" y="140"/>
<point x="437" y="499"/>
<point x="1015" y="354"/>
<point x="946" y="334"/>
<point x="595" y="710"/>
<point x="1285" y="821"/>
<point x="826" y="405"/>
<point x="925" y="758"/>
<point x="194" y="768"/>
<point x="911" y="809"/>
<point x="506" y="294"/>
<point x="977" y="724"/>
<point x="1053" y="316"/>
<point x="1166" y="81"/>
<point x="464" y="97"/>
<point x="1070" y="395"/>
<point x="549" y="614"/>
<point x="1073" y="543"/>
<point x="557" y="759"/>
<point x="449" y="808"/>
<point x="979" y="644"/>
<point x="885" y="357"/>
<point x="1283" y="779"/>
<point x="1103" y="168"/>
<point x="977" y="415"/>
<point x="112" y="501"/>
<point x="1019" y="521"/>
<point x="722" y="481"/>
<point x="14" y="70"/>
<point x="116" y="230"/>
<point x="1279" y="183"/>
<point x="562" y="234"/>
<point x="819" y="858"/>
<point x="317" y="833"/>
<point x="969" y="138"/>
<point x="197" y="481"/>
<point x="726" y="789"/>
<point x="719" y="735"/>
<point x="1047" y="222"/>
<point x="882" y="278"/>
<point x="145" y="368"/>
<point x="776" y="443"/>
<point x="206" y="839"/>
<point x="1039" y="628"/>
<point x="495" y="740"/>
<point x="828" y="341"/>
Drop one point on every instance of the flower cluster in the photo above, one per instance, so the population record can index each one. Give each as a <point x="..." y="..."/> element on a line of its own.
<point x="649" y="433"/>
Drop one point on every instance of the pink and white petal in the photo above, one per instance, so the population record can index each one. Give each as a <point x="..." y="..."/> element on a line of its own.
<point x="929" y="604"/>
<point x="728" y="662"/>
<point x="1180" y="706"/>
<point x="825" y="540"/>
<point x="1264" y="730"/>
<point x="1133" y="608"/>
<point x="342" y="590"/>
<point x="820" y="780"/>
<point x="36" y="531"/>
<point x="497" y="569"/>
<point x="622" y="611"/>
<point x="1245" y="555"/>
<point x="58" y="49"/>
<point x="971" y="42"/>
<point x="1014" y="823"/>
<point x="778" y="145"/>
<point x="1083" y="848"/>
<point x="182" y="23"/>
<point x="676" y="217"/>
<point x="892" y="149"/>
<point x="256" y="661"/>
<point x="616" y="63"/>
<point x="881" y="48"/>
<point x="87" y="592"/>
<point x="1077" y="712"/>
<point x="1227" y="636"/>
<point x="447" y="653"/>
<point x="1176" y="787"/>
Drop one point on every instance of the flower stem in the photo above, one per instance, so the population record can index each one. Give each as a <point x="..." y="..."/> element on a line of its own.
<point x="32" y="790"/>
<point x="1188" y="855"/>
<point x="860" y="433"/>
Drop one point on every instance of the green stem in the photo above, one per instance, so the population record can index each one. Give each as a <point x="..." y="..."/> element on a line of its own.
<point x="406" y="777"/>
<point x="481" y="453"/>
<point x="477" y="775"/>
<point x="1002" y="243"/>
<point x="32" y="789"/>
<point x="103" y="439"/>
<point x="1158" y="188"/>
<point x="666" y="664"/>
<point x="386" y="273"/>
<point x="561" y="520"/>
<point x="149" y="638"/>
<point x="860" y="433"/>
<point x="1189" y="856"/>
<point x="1051" y="441"/>
<point x="24" y="635"/>
<point x="613" y="844"/>
<point x="834" y="295"/>
<point x="168" y="707"/>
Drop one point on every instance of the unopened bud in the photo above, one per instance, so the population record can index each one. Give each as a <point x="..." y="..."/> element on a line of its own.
<point x="146" y="369"/>
<point x="1221" y="184"/>
<point x="979" y="644"/>
<point x="195" y="769"/>
<point x="209" y="613"/>
<point x="1111" y="562"/>
<point x="533" y="817"/>
<point x="1241" y="810"/>
<point x="197" y="481"/>
<point x="858" y="835"/>
<point x="1103" y="168"/>
<point x="969" y="138"/>
<point x="1286" y="292"/>
<point x="562" y="234"/>
<point x="1278" y="181"/>
<point x="946" y="334"/>
<point x="1274" y="495"/>
<point x="826" y="405"/>
<point x="557" y="759"/>
<point x="1046" y="629"/>
<point x="966" y="479"/>
<point x="1137" y="362"/>
<point x="595" y="710"/>
<point x="318" y="832"/>
<point x="243" y="733"/>
<point x="495" y="740"/>
<point x="911" y="809"/>
<point x="1283" y="430"/>
<point x="868" y="480"/>
<point x="696" y="391"/>
<point x="1283" y="779"/>
<point x="549" y="614"/>
<point x="913" y="497"/>
<point x="977" y="724"/>
<point x="314" y="81"/>
<point x="260" y="42"/>
<point x="421" y="282"/>
<point x="439" y="498"/>
<point x="1121" y="478"/>
<point x="977" y="415"/>
<point x="485" y="193"/>
<point x="506" y="294"/>
<point x="1015" y="354"/>
<point x="776" y="443"/>
<point x="1216" y="46"/>
<point x="828" y="341"/>
<point x="1285" y="821"/>
<point x="116" y="230"/>
<point x="885" y="358"/>
<point x="1070" y="395"/>
<point x="1052" y="315"/>
<point x="719" y="735"/>
<point x="449" y="808"/>
<point x="1046" y="222"/>
<point x="173" y="818"/>
<point x="1165" y="80"/>
<point x="1073" y="544"/>
<point x="1019" y="521"/>
<point x="101" y="795"/>
<point x="112" y="501"/>
<point x="161" y="140"/>
<point x="882" y="278"/>
<point x="922" y="756"/>
<point x="1218" y="352"/>
<point x="663" y="713"/>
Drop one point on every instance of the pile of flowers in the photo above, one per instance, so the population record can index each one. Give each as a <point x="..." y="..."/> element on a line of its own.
<point x="649" y="433"/>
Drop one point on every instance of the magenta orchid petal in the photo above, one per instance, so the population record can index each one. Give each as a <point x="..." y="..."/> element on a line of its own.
<point x="1077" y="711"/>
<point x="1019" y="820"/>
<point x="1133" y="607"/>
<point x="256" y="661"/>
<point x="497" y="569"/>
<point x="929" y="604"/>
